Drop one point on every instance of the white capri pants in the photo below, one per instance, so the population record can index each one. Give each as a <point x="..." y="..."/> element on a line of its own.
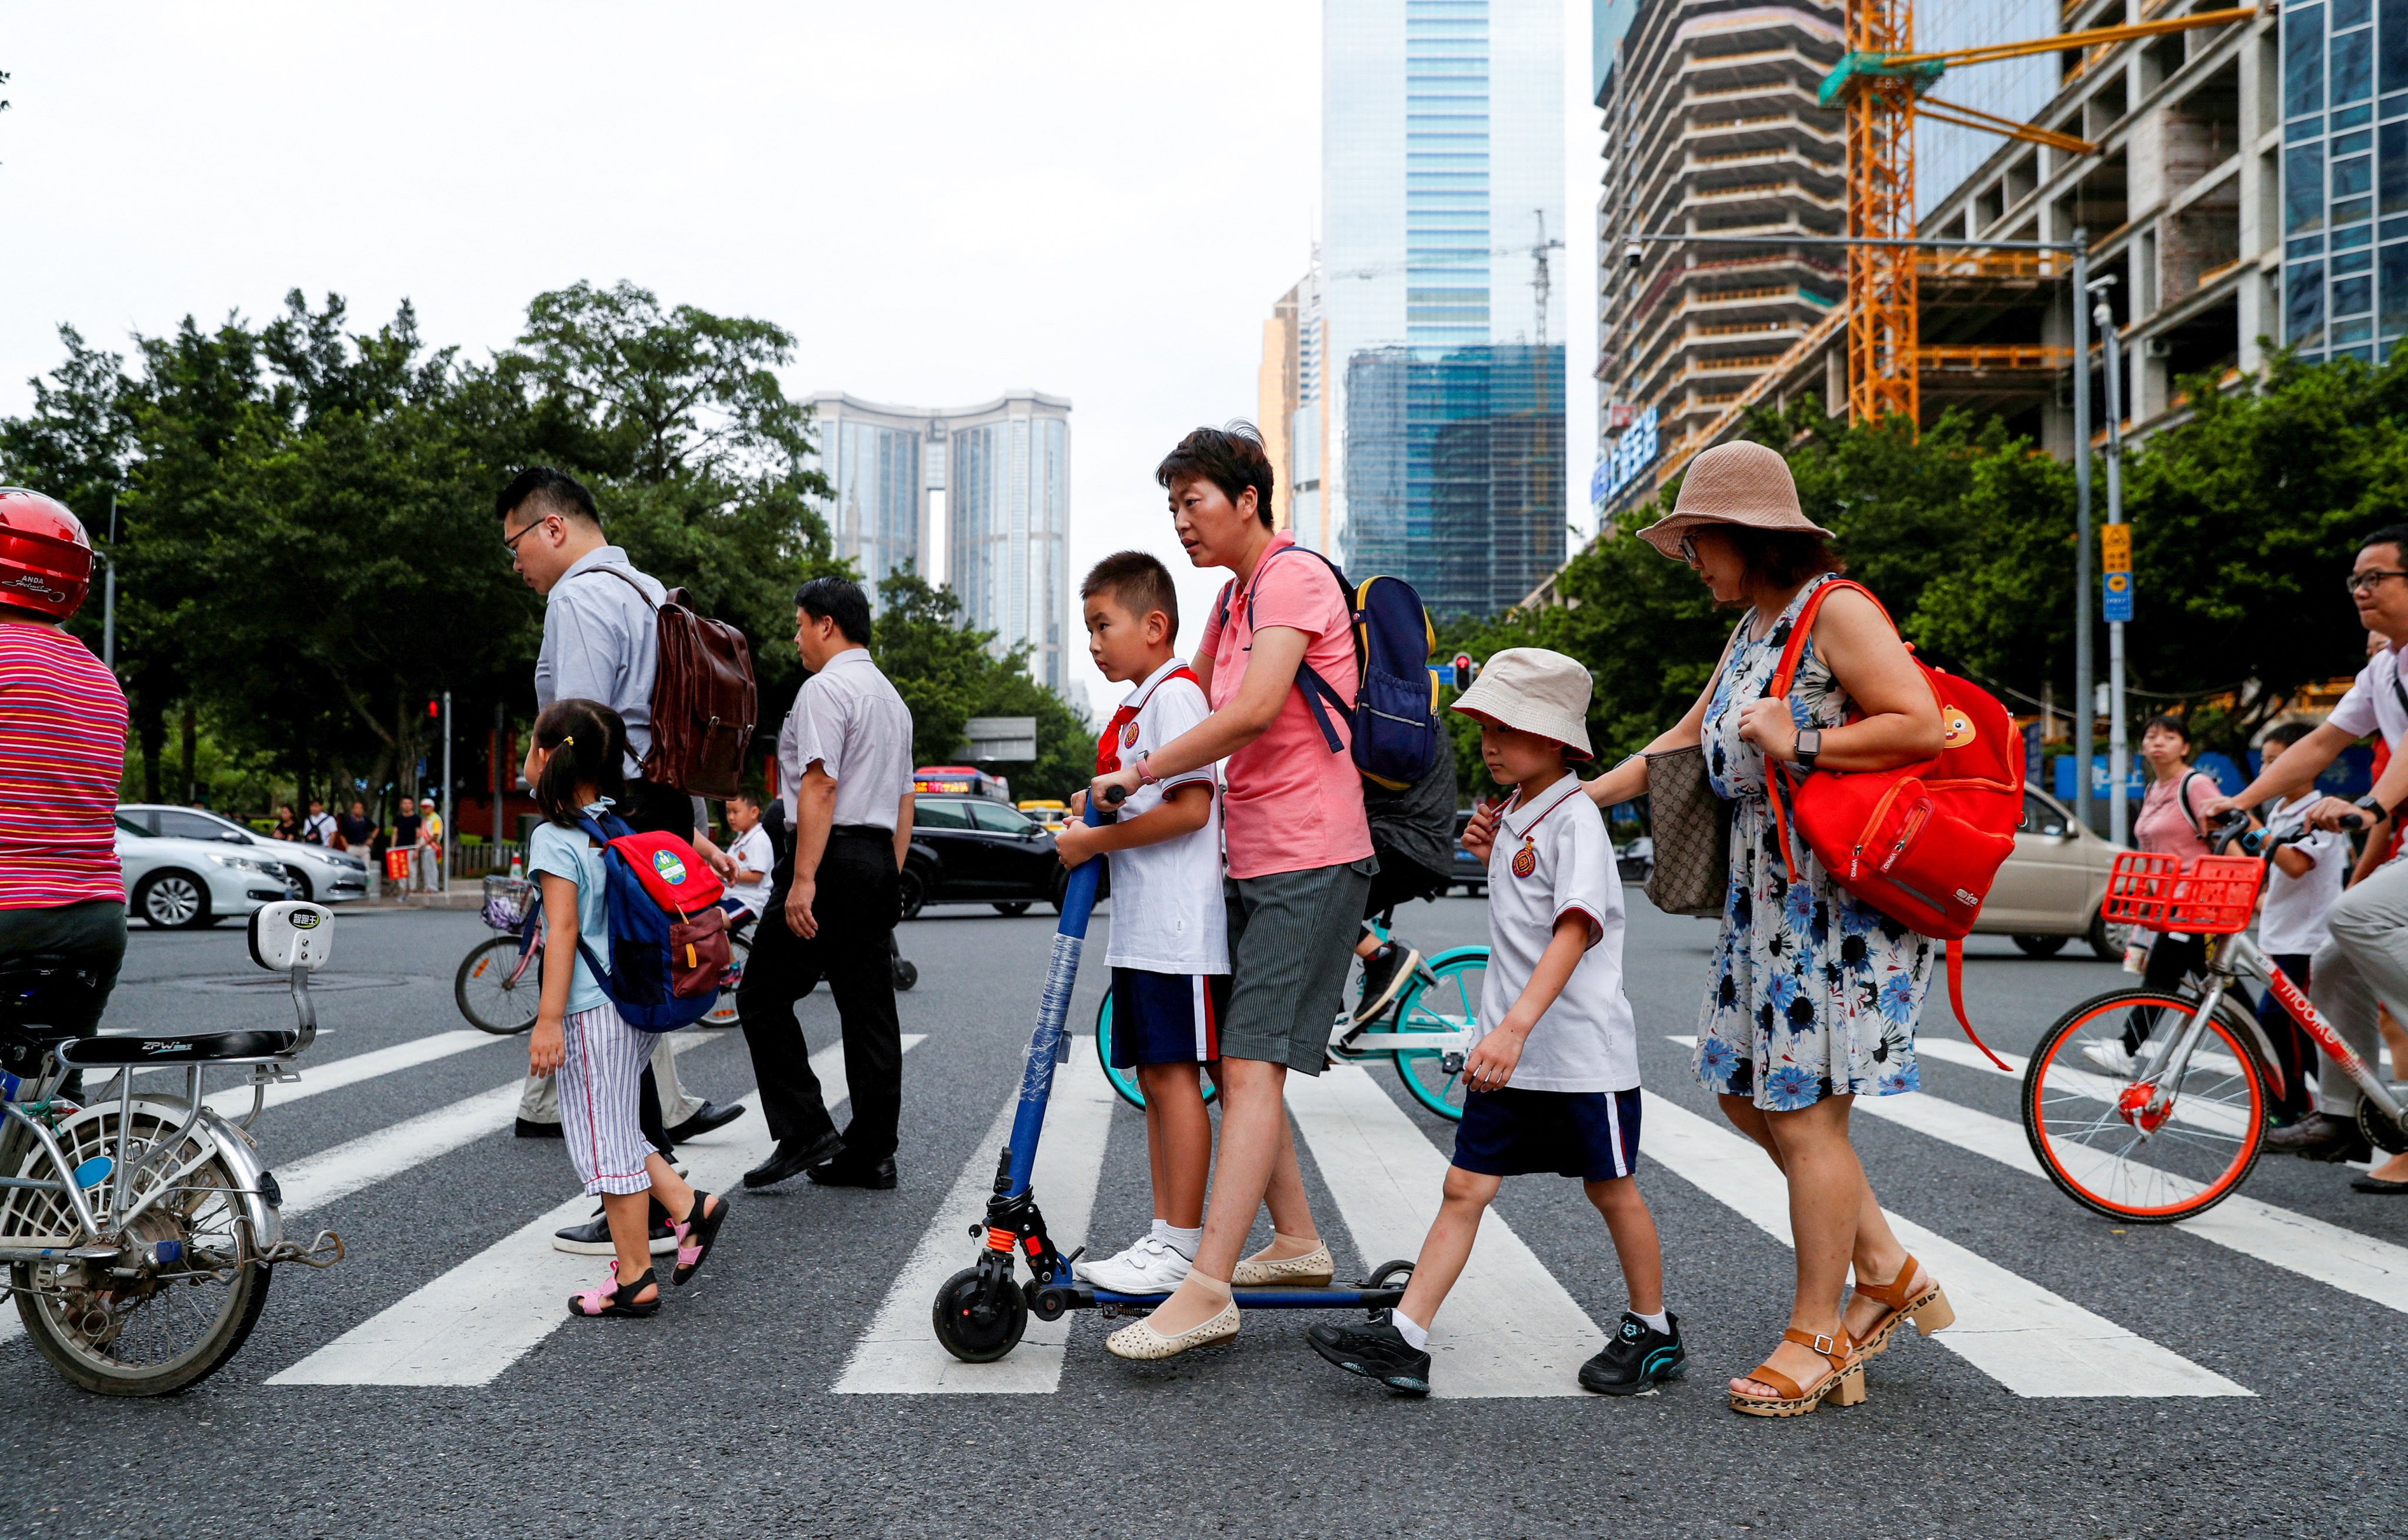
<point x="599" y="1085"/>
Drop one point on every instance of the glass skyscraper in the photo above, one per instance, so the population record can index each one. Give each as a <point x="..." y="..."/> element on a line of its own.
<point x="1441" y="184"/>
<point x="1004" y="469"/>
<point x="2344" y="178"/>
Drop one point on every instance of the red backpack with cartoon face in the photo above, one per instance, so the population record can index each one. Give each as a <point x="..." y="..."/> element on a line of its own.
<point x="1921" y="843"/>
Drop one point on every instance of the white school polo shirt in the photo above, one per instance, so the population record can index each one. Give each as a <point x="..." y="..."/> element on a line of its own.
<point x="1167" y="914"/>
<point x="1552" y="857"/>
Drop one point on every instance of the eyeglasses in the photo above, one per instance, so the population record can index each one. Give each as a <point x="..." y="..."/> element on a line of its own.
<point x="510" y="543"/>
<point x="1688" y="551"/>
<point x="2364" y="582"/>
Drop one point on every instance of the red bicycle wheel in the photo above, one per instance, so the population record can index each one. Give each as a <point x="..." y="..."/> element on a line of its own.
<point x="2095" y="1135"/>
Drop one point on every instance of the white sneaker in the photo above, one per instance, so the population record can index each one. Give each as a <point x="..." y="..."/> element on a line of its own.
<point x="2109" y="1054"/>
<point x="1151" y="1266"/>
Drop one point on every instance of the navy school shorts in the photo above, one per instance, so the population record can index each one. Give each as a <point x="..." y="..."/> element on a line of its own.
<point x="1591" y="1134"/>
<point x="1166" y="1018"/>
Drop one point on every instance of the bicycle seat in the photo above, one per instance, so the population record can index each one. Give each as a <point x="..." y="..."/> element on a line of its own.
<point x="117" y="1050"/>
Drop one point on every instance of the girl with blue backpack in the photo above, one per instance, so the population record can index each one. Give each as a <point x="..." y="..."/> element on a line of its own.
<point x="574" y="765"/>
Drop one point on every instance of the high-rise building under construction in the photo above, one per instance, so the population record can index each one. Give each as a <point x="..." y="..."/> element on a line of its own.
<point x="1422" y="399"/>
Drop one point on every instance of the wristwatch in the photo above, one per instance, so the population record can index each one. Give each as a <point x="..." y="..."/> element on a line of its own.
<point x="1810" y="746"/>
<point x="1145" y="775"/>
<point x="2372" y="808"/>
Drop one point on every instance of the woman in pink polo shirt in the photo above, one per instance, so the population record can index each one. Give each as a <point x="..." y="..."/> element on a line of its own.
<point x="1299" y="863"/>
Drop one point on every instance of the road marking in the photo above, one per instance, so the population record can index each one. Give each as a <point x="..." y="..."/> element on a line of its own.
<point x="1509" y="1328"/>
<point x="898" y="1354"/>
<point x="471" y="1324"/>
<point x="2034" y="1342"/>
<point x="316" y="1181"/>
<point x="2372" y="1269"/>
<point x="2097" y="1088"/>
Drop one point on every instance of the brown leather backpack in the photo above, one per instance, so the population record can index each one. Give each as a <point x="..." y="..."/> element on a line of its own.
<point x="705" y="703"/>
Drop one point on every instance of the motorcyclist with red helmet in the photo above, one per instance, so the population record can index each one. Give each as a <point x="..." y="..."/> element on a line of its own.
<point x="62" y="751"/>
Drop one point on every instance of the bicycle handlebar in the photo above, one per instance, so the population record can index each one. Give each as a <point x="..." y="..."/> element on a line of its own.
<point x="2234" y="826"/>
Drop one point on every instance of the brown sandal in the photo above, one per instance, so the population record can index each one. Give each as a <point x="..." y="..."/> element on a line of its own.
<point x="1914" y="1296"/>
<point x="1843" y="1386"/>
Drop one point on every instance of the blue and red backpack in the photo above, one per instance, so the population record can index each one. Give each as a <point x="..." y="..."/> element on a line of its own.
<point x="668" y="935"/>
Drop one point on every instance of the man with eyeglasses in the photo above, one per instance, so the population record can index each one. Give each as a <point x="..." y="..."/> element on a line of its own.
<point x="601" y="642"/>
<point x="2366" y="960"/>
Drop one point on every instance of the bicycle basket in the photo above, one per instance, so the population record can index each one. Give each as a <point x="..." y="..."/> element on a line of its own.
<point x="2207" y="896"/>
<point x="506" y="902"/>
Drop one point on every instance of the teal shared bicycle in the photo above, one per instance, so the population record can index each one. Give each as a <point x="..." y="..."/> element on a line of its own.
<point x="1426" y="1033"/>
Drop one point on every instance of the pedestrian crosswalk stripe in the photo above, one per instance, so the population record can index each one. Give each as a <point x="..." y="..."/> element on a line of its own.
<point x="2030" y="1339"/>
<point x="1508" y="1329"/>
<point x="898" y="1354"/>
<point x="2372" y="1269"/>
<point x="2229" y="1122"/>
<point x="316" y="1181"/>
<point x="471" y="1324"/>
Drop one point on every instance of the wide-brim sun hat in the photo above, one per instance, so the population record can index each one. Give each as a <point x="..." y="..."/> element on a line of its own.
<point x="1735" y="483"/>
<point x="1536" y="691"/>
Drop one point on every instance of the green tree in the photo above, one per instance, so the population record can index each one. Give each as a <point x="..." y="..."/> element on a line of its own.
<point x="947" y="672"/>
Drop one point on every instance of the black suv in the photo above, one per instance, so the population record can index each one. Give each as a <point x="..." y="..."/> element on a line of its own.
<point x="975" y="850"/>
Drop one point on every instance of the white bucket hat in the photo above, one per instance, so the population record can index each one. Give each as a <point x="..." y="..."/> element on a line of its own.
<point x="1536" y="691"/>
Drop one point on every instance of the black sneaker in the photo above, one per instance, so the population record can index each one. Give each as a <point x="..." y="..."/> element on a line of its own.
<point x="2321" y="1138"/>
<point x="1638" y="1359"/>
<point x="1378" y="1351"/>
<point x="1385" y="973"/>
<point x="592" y="1237"/>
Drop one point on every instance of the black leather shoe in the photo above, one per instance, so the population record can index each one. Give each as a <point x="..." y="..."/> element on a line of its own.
<point x="537" y="1131"/>
<point x="843" y="1173"/>
<point x="790" y="1159"/>
<point x="2322" y="1137"/>
<point x="709" y="1116"/>
<point x="2381" y="1186"/>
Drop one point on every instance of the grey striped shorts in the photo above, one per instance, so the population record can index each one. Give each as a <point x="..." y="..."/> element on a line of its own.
<point x="599" y="1085"/>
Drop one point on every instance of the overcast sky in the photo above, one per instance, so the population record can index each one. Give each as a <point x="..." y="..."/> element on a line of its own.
<point x="941" y="200"/>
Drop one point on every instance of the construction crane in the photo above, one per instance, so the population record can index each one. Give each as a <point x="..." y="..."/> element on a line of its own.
<point x="1882" y="83"/>
<point x="1542" y="282"/>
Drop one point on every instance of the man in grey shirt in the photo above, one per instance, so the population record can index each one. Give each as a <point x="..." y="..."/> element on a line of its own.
<point x="601" y="642"/>
<point x="844" y="764"/>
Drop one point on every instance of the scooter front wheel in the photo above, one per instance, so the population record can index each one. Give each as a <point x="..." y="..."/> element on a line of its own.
<point x="975" y="1324"/>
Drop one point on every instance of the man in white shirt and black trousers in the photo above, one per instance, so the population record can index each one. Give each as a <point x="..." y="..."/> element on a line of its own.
<point x="601" y="642"/>
<point x="844" y="768"/>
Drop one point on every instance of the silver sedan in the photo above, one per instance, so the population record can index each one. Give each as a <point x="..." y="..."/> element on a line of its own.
<point x="319" y="875"/>
<point x="180" y="884"/>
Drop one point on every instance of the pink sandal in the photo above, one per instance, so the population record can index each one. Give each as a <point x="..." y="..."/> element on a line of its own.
<point x="607" y="1300"/>
<point x="697" y="1234"/>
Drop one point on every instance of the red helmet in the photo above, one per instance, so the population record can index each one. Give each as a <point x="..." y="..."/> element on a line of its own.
<point x="45" y="556"/>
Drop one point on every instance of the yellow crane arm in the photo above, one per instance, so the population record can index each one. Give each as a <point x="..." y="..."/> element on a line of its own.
<point x="1920" y="72"/>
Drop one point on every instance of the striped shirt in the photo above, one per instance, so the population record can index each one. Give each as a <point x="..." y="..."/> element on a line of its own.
<point x="62" y="752"/>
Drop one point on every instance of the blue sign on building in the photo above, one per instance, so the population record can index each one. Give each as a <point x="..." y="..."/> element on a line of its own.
<point x="1633" y="453"/>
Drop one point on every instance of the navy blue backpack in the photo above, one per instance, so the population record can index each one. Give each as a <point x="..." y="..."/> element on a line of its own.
<point x="1393" y="714"/>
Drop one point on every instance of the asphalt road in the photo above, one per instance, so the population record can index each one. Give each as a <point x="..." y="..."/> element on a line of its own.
<point x="723" y="1416"/>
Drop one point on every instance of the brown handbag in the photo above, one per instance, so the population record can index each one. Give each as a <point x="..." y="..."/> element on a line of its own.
<point x="1692" y="831"/>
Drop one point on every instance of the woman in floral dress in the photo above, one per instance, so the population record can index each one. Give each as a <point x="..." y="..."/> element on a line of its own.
<point x="1815" y="995"/>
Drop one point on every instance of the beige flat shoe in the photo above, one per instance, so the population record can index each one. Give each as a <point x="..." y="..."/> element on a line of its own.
<point x="1139" y="1341"/>
<point x="1312" y="1270"/>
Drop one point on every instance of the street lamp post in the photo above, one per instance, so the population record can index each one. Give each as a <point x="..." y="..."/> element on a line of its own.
<point x="2119" y="810"/>
<point x="451" y="830"/>
<point x="108" y="592"/>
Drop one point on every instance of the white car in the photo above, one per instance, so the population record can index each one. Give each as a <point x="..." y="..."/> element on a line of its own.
<point x="182" y="884"/>
<point x="321" y="875"/>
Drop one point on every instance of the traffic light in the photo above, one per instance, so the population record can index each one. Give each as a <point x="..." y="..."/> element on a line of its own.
<point x="434" y="709"/>
<point x="1463" y="668"/>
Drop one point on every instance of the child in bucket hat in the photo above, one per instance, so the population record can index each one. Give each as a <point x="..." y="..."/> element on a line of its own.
<point x="1551" y="1071"/>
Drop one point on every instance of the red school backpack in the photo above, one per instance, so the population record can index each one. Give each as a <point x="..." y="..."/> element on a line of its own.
<point x="1921" y="843"/>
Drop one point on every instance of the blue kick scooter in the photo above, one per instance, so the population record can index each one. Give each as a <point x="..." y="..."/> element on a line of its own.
<point x="980" y="1311"/>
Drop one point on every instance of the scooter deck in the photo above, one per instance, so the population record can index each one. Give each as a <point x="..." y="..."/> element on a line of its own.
<point x="1086" y="1297"/>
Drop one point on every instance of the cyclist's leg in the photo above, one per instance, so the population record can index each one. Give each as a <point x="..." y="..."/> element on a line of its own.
<point x="89" y="936"/>
<point x="2171" y="960"/>
<point x="2295" y="1051"/>
<point x="2366" y="960"/>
